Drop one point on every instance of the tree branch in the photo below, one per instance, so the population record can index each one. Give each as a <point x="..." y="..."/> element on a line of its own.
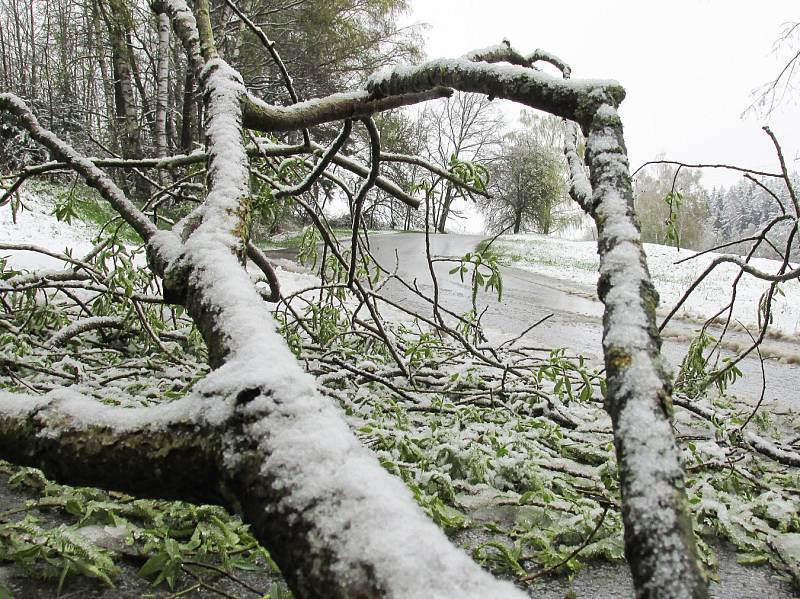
<point x="573" y="99"/>
<point x="348" y="105"/>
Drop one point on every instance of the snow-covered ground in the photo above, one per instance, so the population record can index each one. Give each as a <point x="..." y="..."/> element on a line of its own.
<point x="577" y="262"/>
<point x="36" y="225"/>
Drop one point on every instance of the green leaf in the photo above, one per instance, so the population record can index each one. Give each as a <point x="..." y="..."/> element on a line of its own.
<point x="153" y="565"/>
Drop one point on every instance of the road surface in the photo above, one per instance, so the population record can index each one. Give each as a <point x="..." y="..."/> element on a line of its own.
<point x="576" y="313"/>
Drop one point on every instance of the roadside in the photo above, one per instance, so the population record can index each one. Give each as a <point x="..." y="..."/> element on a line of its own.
<point x="571" y="268"/>
<point x="672" y="270"/>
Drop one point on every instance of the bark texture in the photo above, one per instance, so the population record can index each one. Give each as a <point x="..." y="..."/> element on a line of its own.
<point x="659" y="540"/>
<point x="125" y="100"/>
<point x="162" y="84"/>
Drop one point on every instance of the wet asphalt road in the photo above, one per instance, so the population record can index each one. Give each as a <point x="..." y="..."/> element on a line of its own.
<point x="576" y="321"/>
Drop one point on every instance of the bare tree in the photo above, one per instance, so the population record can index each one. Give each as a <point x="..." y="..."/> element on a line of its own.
<point x="465" y="128"/>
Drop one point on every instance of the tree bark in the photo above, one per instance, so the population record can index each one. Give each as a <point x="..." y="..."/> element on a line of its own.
<point x="124" y="99"/>
<point x="162" y="84"/>
<point x="445" y="210"/>
<point x="639" y="389"/>
<point x="188" y="113"/>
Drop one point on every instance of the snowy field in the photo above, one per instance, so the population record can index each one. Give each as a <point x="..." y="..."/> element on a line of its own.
<point x="37" y="226"/>
<point x="577" y="262"/>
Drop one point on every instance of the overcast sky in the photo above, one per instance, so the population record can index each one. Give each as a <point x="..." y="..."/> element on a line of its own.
<point x="688" y="66"/>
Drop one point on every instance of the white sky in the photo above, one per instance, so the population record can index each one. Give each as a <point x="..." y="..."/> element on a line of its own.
<point x="688" y="66"/>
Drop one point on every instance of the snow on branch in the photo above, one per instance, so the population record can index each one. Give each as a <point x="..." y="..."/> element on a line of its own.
<point x="185" y="26"/>
<point x="573" y="99"/>
<point x="658" y="534"/>
<point x="540" y="55"/>
<point x="85" y="325"/>
<point x="580" y="190"/>
<point x="347" y="105"/>
<point x="320" y="167"/>
<point x="168" y="450"/>
<point x="360" y="169"/>
<point x="504" y="52"/>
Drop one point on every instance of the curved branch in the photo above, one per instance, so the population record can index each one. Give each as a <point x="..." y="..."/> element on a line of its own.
<point x="362" y="170"/>
<point x="336" y="107"/>
<point x="436" y="170"/>
<point x="540" y="55"/>
<point x="729" y="167"/>
<point x="573" y="99"/>
<point x="502" y="52"/>
<point x="784" y="171"/>
<point x="276" y="57"/>
<point x="85" y="325"/>
<point x="28" y="247"/>
<point x="260" y="259"/>
<point x="320" y="167"/>
<point x="580" y="189"/>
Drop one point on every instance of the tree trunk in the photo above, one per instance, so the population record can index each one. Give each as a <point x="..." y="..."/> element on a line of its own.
<point x="124" y="99"/>
<point x="162" y="84"/>
<point x="109" y="89"/>
<point x="146" y="112"/>
<point x="4" y="58"/>
<point x="188" y="113"/>
<point x="445" y="210"/>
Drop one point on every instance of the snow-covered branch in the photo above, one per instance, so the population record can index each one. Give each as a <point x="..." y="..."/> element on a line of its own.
<point x="347" y="105"/>
<point x="168" y="451"/>
<point x="573" y="99"/>
<point x="84" y="326"/>
<point x="659" y="541"/>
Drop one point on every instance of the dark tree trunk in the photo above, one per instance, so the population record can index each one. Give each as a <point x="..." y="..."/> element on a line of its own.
<point x="124" y="99"/>
<point x="448" y="199"/>
<point x="188" y="113"/>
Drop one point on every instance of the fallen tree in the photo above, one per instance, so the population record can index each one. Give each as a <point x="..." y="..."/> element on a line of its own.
<point x="256" y="436"/>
